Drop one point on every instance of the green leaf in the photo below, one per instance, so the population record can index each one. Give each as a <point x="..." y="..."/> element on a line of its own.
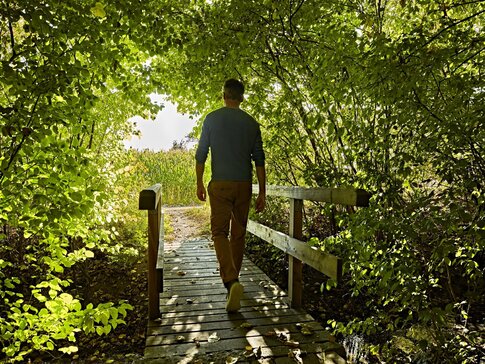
<point x="69" y="349"/>
<point x="113" y="312"/>
<point x="88" y="324"/>
<point x="76" y="196"/>
<point x="98" y="10"/>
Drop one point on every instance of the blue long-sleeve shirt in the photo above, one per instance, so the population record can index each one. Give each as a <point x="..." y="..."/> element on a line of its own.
<point x="234" y="138"/>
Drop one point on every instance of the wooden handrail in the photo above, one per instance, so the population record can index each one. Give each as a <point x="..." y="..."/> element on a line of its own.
<point x="299" y="251"/>
<point x="338" y="196"/>
<point x="326" y="263"/>
<point x="151" y="200"/>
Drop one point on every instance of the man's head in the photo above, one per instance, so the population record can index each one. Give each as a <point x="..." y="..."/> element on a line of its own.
<point x="233" y="90"/>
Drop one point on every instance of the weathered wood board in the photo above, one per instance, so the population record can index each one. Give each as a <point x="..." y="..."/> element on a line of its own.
<point x="195" y="328"/>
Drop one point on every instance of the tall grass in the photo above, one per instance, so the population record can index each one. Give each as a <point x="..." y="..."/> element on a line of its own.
<point x="174" y="169"/>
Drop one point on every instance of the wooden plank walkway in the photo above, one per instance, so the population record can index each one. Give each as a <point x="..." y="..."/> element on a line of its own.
<point x="195" y="328"/>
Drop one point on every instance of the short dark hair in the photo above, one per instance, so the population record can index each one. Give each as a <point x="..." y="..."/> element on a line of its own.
<point x="234" y="89"/>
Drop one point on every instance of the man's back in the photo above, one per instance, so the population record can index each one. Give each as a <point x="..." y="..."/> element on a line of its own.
<point x="234" y="138"/>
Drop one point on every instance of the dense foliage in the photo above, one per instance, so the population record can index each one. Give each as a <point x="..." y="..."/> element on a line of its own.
<point x="384" y="95"/>
<point x="71" y="75"/>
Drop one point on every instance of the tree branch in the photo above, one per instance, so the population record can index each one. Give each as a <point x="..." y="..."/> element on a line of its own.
<point x="468" y="59"/>
<point x="298" y="7"/>
<point x="12" y="39"/>
<point x="24" y="137"/>
<point x="466" y="3"/>
<point x="418" y="99"/>
<point x="444" y="30"/>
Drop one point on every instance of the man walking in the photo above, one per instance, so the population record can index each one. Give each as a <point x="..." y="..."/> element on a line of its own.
<point x="234" y="139"/>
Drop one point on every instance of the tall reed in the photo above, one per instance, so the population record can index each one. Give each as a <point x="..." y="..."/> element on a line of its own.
<point x="174" y="169"/>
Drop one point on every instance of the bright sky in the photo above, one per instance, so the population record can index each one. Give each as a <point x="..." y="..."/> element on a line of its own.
<point x="160" y="133"/>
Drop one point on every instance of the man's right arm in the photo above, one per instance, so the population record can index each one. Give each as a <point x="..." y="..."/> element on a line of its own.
<point x="199" y="171"/>
<point x="201" y="157"/>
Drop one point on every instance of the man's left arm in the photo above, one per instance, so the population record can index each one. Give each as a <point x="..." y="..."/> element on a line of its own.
<point x="259" y="159"/>
<point x="261" y="199"/>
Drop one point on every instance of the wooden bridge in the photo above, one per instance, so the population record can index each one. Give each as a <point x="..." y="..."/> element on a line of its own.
<point x="187" y="318"/>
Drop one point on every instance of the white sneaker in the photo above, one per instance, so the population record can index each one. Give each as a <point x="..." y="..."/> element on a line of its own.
<point x="234" y="299"/>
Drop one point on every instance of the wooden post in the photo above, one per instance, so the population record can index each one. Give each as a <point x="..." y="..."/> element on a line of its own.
<point x="161" y="243"/>
<point x="151" y="200"/>
<point x="295" y="266"/>
<point x="154" y="217"/>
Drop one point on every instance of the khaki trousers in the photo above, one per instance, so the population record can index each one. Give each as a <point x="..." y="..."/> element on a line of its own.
<point x="229" y="203"/>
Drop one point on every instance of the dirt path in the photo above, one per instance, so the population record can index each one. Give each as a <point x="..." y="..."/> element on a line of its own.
<point x="184" y="225"/>
<point x="186" y="222"/>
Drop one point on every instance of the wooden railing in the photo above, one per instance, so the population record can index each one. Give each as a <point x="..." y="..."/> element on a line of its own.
<point x="298" y="251"/>
<point x="151" y="200"/>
